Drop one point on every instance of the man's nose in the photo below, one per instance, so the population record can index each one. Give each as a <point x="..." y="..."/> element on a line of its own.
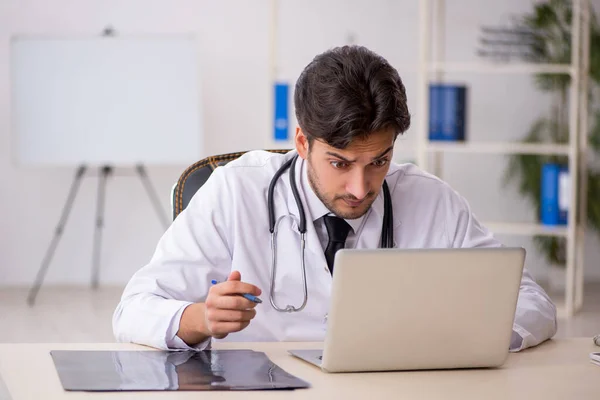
<point x="357" y="186"/>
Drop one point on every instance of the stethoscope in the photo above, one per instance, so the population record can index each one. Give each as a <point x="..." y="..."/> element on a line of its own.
<point x="387" y="230"/>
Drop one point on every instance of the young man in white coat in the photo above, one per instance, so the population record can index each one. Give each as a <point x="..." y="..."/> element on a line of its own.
<point x="350" y="105"/>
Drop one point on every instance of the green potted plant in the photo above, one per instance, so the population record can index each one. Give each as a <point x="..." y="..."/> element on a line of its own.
<point x="544" y="36"/>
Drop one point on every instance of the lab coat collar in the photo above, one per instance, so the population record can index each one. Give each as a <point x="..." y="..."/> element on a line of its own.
<point x="313" y="206"/>
<point x="377" y="208"/>
<point x="313" y="245"/>
<point x="291" y="201"/>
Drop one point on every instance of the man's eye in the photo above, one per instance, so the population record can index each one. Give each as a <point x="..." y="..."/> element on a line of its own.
<point x="380" y="163"/>
<point x="339" y="164"/>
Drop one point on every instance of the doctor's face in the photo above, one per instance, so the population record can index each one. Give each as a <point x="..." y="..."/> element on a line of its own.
<point x="348" y="180"/>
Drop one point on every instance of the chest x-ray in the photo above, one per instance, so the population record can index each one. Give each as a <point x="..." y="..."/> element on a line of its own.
<point x="165" y="370"/>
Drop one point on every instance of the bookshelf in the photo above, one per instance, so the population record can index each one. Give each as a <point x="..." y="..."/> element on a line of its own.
<point x="525" y="228"/>
<point x="491" y="68"/>
<point x="498" y="148"/>
<point x="429" y="70"/>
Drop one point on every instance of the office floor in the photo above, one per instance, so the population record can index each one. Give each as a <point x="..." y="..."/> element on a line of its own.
<point x="67" y="314"/>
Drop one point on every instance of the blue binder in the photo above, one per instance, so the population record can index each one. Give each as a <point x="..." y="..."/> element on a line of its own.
<point x="281" y="122"/>
<point x="447" y="112"/>
<point x="554" y="194"/>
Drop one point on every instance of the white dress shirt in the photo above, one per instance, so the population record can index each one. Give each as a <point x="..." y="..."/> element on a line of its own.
<point x="225" y="227"/>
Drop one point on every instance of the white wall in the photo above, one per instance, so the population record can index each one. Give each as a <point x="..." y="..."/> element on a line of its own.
<point x="234" y="49"/>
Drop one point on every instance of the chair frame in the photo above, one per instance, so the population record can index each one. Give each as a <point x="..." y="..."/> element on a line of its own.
<point x="213" y="162"/>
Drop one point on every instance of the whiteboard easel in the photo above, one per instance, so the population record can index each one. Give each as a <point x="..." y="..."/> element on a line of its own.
<point x="104" y="101"/>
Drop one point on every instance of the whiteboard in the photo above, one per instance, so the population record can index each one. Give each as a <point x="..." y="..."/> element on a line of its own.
<point x="105" y="100"/>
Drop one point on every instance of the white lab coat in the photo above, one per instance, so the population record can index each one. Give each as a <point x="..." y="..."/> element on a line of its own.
<point x="225" y="228"/>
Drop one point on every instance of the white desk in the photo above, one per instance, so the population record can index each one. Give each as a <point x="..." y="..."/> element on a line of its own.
<point x="557" y="369"/>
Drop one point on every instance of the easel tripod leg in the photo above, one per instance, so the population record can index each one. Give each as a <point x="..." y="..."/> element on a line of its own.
<point x="141" y="170"/>
<point x="106" y="171"/>
<point x="39" y="279"/>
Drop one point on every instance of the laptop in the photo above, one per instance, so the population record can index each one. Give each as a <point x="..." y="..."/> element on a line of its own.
<point x="414" y="309"/>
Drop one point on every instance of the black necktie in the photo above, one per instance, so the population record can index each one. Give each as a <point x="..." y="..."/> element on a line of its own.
<point x="337" y="229"/>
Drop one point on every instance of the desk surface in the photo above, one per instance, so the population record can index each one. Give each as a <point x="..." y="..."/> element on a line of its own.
<point x="557" y="369"/>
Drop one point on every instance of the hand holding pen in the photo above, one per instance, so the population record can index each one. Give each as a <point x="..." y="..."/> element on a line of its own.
<point x="230" y="306"/>
<point x="248" y="296"/>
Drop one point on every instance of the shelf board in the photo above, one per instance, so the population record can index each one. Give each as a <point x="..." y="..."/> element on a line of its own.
<point x="502" y="68"/>
<point x="526" y="229"/>
<point x="498" y="148"/>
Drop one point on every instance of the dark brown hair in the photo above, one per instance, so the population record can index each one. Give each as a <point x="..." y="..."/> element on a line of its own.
<point x="349" y="92"/>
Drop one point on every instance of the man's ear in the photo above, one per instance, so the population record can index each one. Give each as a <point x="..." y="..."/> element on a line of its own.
<point x="301" y="142"/>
